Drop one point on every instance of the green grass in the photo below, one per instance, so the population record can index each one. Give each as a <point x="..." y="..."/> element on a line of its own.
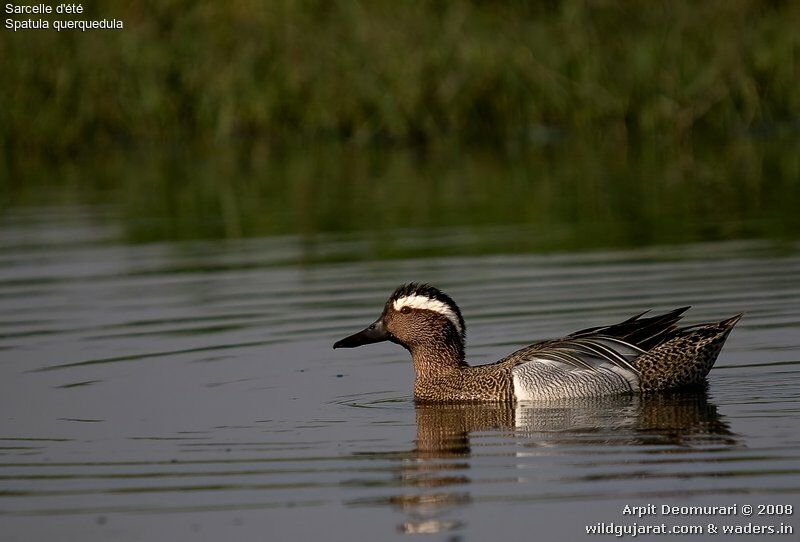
<point x="585" y="123"/>
<point x="257" y="73"/>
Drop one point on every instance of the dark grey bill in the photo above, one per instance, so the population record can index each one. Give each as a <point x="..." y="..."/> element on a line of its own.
<point x="373" y="334"/>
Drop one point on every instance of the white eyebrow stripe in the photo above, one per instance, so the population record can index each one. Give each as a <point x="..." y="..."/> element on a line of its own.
<point x="427" y="303"/>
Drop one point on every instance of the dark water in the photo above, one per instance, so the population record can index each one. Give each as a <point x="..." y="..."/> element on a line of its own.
<point x="189" y="391"/>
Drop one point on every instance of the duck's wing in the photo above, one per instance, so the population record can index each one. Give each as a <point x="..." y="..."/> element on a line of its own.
<point x="643" y="333"/>
<point x="617" y="344"/>
<point x="588" y="353"/>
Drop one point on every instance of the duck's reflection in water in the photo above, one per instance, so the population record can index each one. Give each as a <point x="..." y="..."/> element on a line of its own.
<point x="673" y="419"/>
<point x="665" y="423"/>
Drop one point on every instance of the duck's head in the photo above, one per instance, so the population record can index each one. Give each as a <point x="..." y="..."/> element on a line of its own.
<point x="416" y="315"/>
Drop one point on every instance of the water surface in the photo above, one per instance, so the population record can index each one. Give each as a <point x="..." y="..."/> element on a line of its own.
<point x="188" y="390"/>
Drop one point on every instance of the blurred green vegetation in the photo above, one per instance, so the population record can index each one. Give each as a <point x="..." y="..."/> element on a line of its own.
<point x="572" y="194"/>
<point x="243" y="71"/>
<point x="585" y="123"/>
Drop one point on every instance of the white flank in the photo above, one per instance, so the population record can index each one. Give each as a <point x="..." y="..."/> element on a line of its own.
<point x="540" y="379"/>
<point x="426" y="303"/>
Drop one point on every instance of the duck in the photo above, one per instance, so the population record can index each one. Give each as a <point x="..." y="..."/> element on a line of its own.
<point x="643" y="354"/>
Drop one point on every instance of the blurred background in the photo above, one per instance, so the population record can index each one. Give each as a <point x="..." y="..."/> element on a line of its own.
<point x="587" y="124"/>
<point x="194" y="208"/>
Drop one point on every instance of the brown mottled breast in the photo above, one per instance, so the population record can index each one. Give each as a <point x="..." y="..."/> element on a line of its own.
<point x="483" y="383"/>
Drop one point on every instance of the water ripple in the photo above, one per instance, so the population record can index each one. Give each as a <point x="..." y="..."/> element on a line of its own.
<point x="107" y="409"/>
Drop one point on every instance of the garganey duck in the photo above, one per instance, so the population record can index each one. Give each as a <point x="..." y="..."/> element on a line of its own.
<point x="637" y="355"/>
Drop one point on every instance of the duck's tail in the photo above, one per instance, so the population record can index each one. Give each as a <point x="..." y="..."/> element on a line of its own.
<point x="686" y="358"/>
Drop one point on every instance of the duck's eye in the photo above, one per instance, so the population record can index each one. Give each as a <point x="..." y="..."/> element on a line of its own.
<point x="405" y="310"/>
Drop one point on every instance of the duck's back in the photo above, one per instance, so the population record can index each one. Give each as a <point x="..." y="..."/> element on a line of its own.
<point x="639" y="354"/>
<point x="685" y="358"/>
